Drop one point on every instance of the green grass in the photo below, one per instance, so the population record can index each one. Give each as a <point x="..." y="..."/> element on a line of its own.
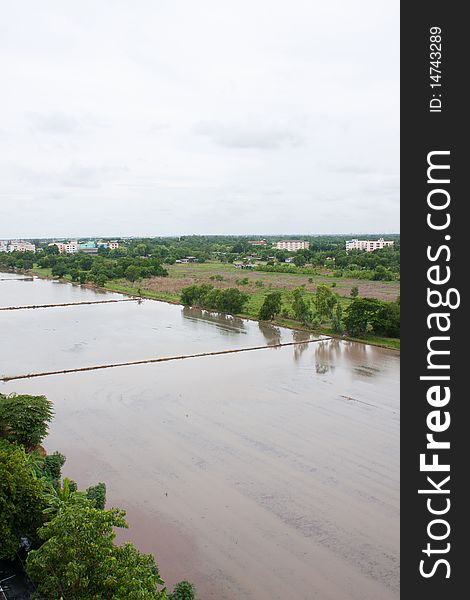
<point x="136" y="291"/>
<point x="41" y="272"/>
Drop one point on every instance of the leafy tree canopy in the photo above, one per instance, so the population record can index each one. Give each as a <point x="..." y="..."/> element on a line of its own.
<point x="21" y="499"/>
<point x="79" y="560"/>
<point x="271" y="306"/>
<point x="25" y="419"/>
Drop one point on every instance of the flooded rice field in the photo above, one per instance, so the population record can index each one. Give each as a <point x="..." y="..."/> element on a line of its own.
<point x="264" y="475"/>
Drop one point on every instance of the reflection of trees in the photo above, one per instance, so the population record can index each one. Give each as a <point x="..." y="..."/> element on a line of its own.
<point x="221" y="321"/>
<point x="271" y="333"/>
<point x="326" y="355"/>
<point x="301" y="338"/>
<point x="354" y="351"/>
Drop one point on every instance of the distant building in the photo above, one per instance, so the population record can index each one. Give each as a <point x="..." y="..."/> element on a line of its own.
<point x="67" y="247"/>
<point x="111" y="245"/>
<point x="187" y="259"/>
<point x="258" y="242"/>
<point x="17" y="246"/>
<point x="88" y="248"/>
<point x="368" y="245"/>
<point x="292" y="245"/>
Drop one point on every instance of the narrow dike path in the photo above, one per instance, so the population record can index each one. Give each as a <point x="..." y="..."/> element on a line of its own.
<point x="68" y="304"/>
<point x="158" y="360"/>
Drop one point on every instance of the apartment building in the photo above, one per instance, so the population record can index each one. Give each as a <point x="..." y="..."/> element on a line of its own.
<point x="17" y="246"/>
<point x="71" y="247"/>
<point x="292" y="245"/>
<point x="368" y="245"/>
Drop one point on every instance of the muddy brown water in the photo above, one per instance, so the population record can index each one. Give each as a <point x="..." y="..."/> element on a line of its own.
<point x="267" y="475"/>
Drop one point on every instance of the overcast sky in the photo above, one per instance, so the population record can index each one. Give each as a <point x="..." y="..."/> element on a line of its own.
<point x="161" y="117"/>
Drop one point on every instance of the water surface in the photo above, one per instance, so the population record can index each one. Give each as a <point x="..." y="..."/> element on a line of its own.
<point x="264" y="475"/>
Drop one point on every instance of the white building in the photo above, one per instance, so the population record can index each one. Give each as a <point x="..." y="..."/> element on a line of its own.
<point x="292" y="245"/>
<point x="112" y="245"/>
<point x="3" y="246"/>
<point x="368" y="245"/>
<point x="20" y="246"/>
<point x="71" y="247"/>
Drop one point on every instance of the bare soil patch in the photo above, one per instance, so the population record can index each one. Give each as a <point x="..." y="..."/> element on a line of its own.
<point x="181" y="276"/>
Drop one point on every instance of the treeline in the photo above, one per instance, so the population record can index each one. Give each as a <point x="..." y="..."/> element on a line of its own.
<point x="138" y="255"/>
<point x="84" y="268"/>
<point x="325" y="252"/>
<point x="361" y="317"/>
<point x="230" y="300"/>
<point x="380" y="265"/>
<point x="66" y="535"/>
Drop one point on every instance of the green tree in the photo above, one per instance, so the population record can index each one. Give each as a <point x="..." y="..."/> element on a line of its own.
<point x="337" y="320"/>
<point x="184" y="590"/>
<point x="52" y="466"/>
<point x="271" y="306"/>
<point x="59" y="270"/>
<point x="324" y="301"/>
<point x="132" y="273"/>
<point x="100" y="279"/>
<point x="22" y="499"/>
<point x="24" y="419"/>
<point x="299" y="260"/>
<point x="386" y="320"/>
<point x="354" y="292"/>
<point x="301" y="306"/>
<point x="79" y="560"/>
<point x="358" y="316"/>
<point x="231" y="301"/>
<point x="97" y="495"/>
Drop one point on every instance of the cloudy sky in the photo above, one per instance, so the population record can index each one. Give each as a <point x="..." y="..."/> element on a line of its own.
<point x="161" y="117"/>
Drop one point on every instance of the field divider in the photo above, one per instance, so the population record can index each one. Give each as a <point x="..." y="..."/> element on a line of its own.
<point x="160" y="359"/>
<point x="69" y="304"/>
<point x="16" y="279"/>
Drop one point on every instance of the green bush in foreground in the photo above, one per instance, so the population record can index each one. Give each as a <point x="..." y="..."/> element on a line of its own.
<point x="22" y="499"/>
<point x="78" y="558"/>
<point x="24" y="419"/>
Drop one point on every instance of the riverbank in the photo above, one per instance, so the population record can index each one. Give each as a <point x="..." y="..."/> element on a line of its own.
<point x="251" y="310"/>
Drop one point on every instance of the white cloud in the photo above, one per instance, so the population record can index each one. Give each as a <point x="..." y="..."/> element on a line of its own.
<point x="176" y="117"/>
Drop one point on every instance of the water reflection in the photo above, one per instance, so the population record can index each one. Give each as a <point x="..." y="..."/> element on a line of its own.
<point x="223" y="322"/>
<point x="271" y="333"/>
<point x="301" y="338"/>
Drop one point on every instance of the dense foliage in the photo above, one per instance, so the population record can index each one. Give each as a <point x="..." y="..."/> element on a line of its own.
<point x="78" y="558"/>
<point x="84" y="268"/>
<point x="22" y="499"/>
<point x="184" y="590"/>
<point x="271" y="306"/>
<point x="229" y="300"/>
<point x="24" y="419"/>
<point x="365" y="315"/>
